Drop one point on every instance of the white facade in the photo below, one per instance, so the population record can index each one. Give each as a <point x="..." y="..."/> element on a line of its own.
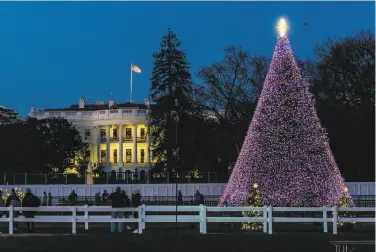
<point x="117" y="134"/>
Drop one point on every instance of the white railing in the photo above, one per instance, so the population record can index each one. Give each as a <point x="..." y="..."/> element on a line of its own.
<point x="201" y="217"/>
<point x="99" y="114"/>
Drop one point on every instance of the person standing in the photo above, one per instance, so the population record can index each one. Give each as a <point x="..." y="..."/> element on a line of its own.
<point x="44" y="199"/>
<point x="73" y="198"/>
<point x="180" y="198"/>
<point x="30" y="200"/>
<point x="126" y="204"/>
<point x="117" y="201"/>
<point x="14" y="201"/>
<point x="49" y="200"/>
<point x="136" y="202"/>
<point x="104" y="197"/>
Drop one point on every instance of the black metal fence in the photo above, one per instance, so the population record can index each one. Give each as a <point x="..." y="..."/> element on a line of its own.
<point x="107" y="178"/>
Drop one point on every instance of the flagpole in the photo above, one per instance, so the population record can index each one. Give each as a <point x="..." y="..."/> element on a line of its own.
<point x="130" y="99"/>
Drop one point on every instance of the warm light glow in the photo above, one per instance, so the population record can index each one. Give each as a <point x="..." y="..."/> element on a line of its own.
<point x="346" y="189"/>
<point x="282" y="27"/>
<point x="255" y="185"/>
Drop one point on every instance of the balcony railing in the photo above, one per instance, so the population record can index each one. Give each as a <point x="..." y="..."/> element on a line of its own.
<point x="114" y="139"/>
<point x="141" y="139"/>
<point x="101" y="114"/>
<point x="103" y="139"/>
<point x="128" y="139"/>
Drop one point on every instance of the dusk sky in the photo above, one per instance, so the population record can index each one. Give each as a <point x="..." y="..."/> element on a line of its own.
<point x="54" y="52"/>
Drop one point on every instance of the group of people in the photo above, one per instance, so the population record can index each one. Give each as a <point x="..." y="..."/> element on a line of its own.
<point x="29" y="200"/>
<point x="120" y="199"/>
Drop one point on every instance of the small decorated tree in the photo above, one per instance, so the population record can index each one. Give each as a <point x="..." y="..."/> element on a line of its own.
<point x="345" y="201"/>
<point x="254" y="200"/>
<point x="19" y="193"/>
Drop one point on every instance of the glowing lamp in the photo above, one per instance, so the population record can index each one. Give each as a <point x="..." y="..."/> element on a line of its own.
<point x="346" y="189"/>
<point x="255" y="186"/>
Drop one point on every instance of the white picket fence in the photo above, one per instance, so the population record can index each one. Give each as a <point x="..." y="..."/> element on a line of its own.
<point x="202" y="217"/>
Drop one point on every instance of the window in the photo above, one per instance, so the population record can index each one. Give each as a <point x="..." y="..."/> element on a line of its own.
<point x="103" y="156"/>
<point x="128" y="133"/>
<point x="103" y="134"/>
<point x="142" y="156"/>
<point x="143" y="135"/>
<point x="115" y="156"/>
<point x="87" y="134"/>
<point x="128" y="156"/>
<point x="115" y="133"/>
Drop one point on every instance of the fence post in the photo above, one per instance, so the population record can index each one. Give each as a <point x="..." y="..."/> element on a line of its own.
<point x="86" y="218"/>
<point x="270" y="219"/>
<point x="11" y="219"/>
<point x="335" y="219"/>
<point x="45" y="178"/>
<point x="202" y="219"/>
<point x="208" y="177"/>
<point x="74" y="219"/>
<point x="143" y="216"/>
<point x="265" y="216"/>
<point x="140" y="219"/>
<point x="325" y="216"/>
<point x="25" y="178"/>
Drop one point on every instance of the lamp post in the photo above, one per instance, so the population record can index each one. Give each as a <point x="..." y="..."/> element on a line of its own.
<point x="176" y="155"/>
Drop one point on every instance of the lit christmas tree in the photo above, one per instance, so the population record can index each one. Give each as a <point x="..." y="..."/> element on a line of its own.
<point x="286" y="151"/>
<point x="254" y="200"/>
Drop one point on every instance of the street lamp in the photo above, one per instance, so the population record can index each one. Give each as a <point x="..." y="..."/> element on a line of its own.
<point x="175" y="115"/>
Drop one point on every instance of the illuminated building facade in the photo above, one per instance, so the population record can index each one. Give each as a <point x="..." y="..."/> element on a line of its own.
<point x="116" y="133"/>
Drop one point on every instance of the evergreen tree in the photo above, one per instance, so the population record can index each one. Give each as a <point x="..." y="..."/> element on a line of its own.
<point x="171" y="91"/>
<point x="254" y="200"/>
<point x="286" y="151"/>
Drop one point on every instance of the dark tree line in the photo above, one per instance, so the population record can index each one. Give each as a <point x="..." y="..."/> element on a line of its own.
<point x="46" y="145"/>
<point x="218" y="109"/>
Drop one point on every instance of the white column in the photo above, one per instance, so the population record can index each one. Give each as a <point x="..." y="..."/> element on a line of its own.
<point x="98" y="132"/>
<point x="120" y="129"/>
<point x="107" y="144"/>
<point x="135" y="164"/>
<point x="148" y="163"/>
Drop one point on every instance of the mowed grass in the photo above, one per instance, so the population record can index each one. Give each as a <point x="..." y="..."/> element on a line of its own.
<point x="184" y="237"/>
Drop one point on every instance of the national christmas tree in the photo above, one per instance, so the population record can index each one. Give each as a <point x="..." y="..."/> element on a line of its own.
<point x="286" y="151"/>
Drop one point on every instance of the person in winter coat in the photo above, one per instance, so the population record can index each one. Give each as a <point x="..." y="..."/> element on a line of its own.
<point x="127" y="203"/>
<point x="14" y="201"/>
<point x="136" y="202"/>
<point x="30" y="200"/>
<point x="73" y="198"/>
<point x="180" y="198"/>
<point x="49" y="200"/>
<point x="117" y="202"/>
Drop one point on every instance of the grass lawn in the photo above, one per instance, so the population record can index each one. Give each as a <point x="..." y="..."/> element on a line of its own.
<point x="166" y="238"/>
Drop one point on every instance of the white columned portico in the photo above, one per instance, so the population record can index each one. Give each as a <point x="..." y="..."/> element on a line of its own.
<point x="108" y="146"/>
<point x="135" y="164"/>
<point x="121" y="163"/>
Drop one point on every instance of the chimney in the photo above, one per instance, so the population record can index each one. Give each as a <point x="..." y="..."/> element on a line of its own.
<point x="147" y="103"/>
<point x="81" y="105"/>
<point x="111" y="102"/>
<point x="32" y="110"/>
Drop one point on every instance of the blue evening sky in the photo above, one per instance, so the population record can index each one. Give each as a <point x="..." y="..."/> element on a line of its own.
<point x="51" y="53"/>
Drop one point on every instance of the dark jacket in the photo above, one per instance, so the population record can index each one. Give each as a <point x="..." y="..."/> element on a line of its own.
<point x="136" y="199"/>
<point x="117" y="199"/>
<point x="13" y="200"/>
<point x="30" y="200"/>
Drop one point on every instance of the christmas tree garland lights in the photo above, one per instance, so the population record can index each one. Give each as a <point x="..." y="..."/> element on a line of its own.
<point x="286" y="151"/>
